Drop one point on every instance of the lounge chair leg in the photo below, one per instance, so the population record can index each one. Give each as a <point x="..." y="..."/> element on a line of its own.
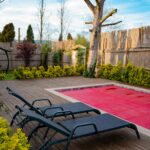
<point x="67" y="145"/>
<point x="132" y="126"/>
<point x="69" y="140"/>
<point x="45" y="135"/>
<point x="24" y="122"/>
<point x="34" y="130"/>
<point x="47" y="145"/>
<point x="14" y="117"/>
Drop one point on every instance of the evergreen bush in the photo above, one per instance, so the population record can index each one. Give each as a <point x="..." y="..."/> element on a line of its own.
<point x="9" y="141"/>
<point x="129" y="74"/>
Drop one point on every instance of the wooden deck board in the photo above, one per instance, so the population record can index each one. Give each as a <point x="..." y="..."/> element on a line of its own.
<point x="124" y="139"/>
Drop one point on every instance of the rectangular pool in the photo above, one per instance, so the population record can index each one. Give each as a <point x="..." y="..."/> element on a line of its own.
<point x="125" y="103"/>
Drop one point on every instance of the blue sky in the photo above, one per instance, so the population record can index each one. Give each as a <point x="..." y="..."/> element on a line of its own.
<point x="133" y="13"/>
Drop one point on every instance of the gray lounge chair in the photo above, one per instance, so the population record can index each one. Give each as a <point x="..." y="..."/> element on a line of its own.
<point x="51" y="110"/>
<point x="75" y="128"/>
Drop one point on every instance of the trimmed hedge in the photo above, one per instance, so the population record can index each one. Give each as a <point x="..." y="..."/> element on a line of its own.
<point x="51" y="72"/>
<point x="17" y="141"/>
<point x="129" y="74"/>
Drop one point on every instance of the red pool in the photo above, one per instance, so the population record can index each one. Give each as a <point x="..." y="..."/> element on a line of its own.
<point x="131" y="105"/>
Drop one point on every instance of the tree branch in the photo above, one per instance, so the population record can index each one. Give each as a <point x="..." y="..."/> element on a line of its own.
<point x="108" y="15"/>
<point x="97" y="2"/>
<point x="111" y="24"/>
<point x="90" y="22"/>
<point x="90" y="5"/>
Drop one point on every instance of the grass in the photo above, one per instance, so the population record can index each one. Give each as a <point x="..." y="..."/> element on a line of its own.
<point x="8" y="76"/>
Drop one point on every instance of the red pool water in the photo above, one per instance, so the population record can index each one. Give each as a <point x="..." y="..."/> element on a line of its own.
<point x="131" y="105"/>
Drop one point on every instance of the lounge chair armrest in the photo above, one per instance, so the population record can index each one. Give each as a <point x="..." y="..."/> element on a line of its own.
<point x="58" y="107"/>
<point x="65" y="113"/>
<point x="83" y="125"/>
<point x="8" y="89"/>
<point x="42" y="99"/>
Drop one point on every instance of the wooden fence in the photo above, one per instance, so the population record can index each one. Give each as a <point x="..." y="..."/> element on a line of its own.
<point x="118" y="46"/>
<point x="16" y="62"/>
<point x="127" y="45"/>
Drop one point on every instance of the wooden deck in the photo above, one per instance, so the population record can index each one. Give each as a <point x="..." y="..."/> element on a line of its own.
<point x="124" y="139"/>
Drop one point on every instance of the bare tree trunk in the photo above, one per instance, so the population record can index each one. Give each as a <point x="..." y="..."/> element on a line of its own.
<point x="61" y="14"/>
<point x="41" y="20"/>
<point x="95" y="42"/>
<point x="95" y="38"/>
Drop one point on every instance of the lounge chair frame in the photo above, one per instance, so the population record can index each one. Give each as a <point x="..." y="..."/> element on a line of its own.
<point x="70" y="133"/>
<point x="46" y="111"/>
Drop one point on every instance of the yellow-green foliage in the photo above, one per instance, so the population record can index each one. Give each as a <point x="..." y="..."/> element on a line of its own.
<point x="52" y="72"/>
<point x="79" y="69"/>
<point x="2" y="76"/>
<point x="69" y="71"/>
<point x="9" y="141"/>
<point x="129" y="74"/>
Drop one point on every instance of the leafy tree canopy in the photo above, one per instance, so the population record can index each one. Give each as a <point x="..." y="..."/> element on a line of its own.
<point x="82" y="41"/>
<point x="8" y="33"/>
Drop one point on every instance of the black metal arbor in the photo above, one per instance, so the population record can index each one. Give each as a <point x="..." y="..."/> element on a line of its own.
<point x="6" y="53"/>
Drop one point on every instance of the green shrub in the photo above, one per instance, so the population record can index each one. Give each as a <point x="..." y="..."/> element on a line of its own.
<point x="68" y="71"/>
<point x="79" y="69"/>
<point x="19" y="73"/>
<point x="57" y="58"/>
<point x="116" y="72"/>
<point x="17" y="141"/>
<point x="129" y="74"/>
<point x="125" y="73"/>
<point x="52" y="72"/>
<point x="58" y="71"/>
<point x="23" y="73"/>
<point x="27" y="74"/>
<point x="38" y="74"/>
<point x="2" y="76"/>
<point x="33" y="70"/>
<point x="46" y="74"/>
<point x="105" y="71"/>
<point x="138" y="76"/>
<point x="41" y="69"/>
<point x="101" y="71"/>
<point x="80" y="56"/>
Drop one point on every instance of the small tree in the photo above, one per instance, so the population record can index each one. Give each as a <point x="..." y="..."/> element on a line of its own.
<point x="58" y="58"/>
<point x="46" y="48"/>
<point x="69" y="36"/>
<point x="82" y="41"/>
<point x="26" y="51"/>
<point x="30" y="35"/>
<point x="8" y="33"/>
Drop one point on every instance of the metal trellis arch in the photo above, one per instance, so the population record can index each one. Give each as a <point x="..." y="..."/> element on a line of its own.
<point x="6" y="53"/>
